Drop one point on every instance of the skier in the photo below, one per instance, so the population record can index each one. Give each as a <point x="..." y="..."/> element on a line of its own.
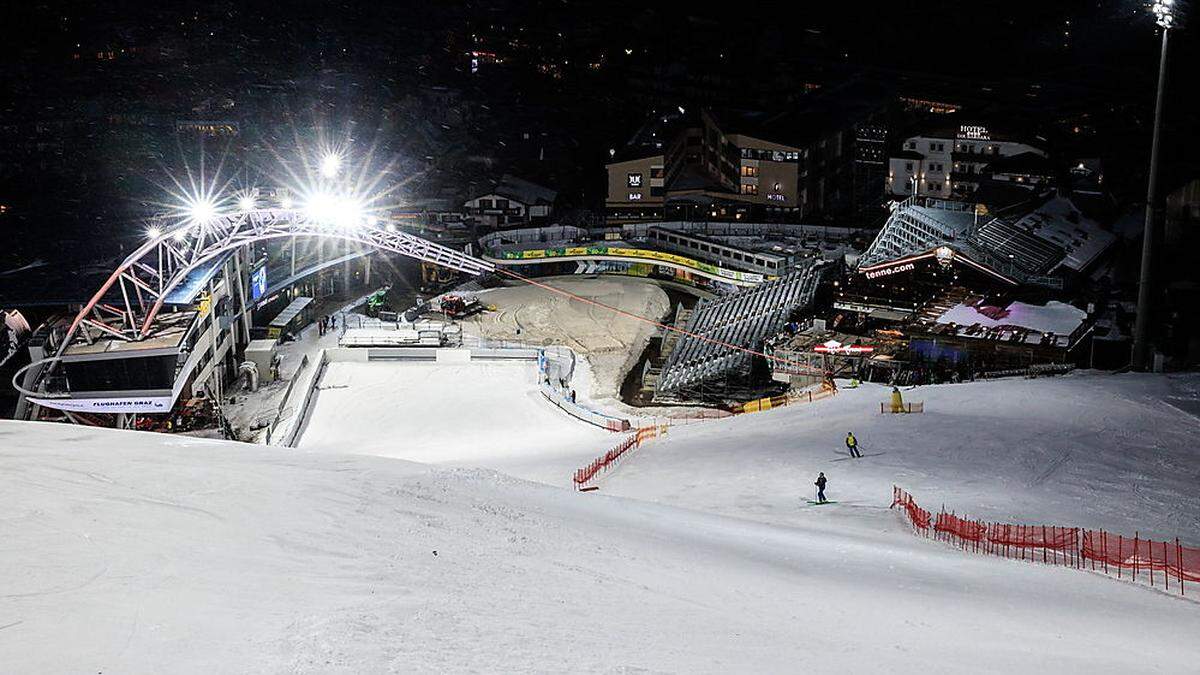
<point x="852" y="444"/>
<point x="820" y="488"/>
<point x="897" y="400"/>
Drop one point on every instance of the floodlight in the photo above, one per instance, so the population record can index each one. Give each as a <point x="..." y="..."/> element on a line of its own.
<point x="321" y="207"/>
<point x="1164" y="12"/>
<point x="348" y="213"/>
<point x="246" y="203"/>
<point x="201" y="210"/>
<point x="153" y="232"/>
<point x="331" y="163"/>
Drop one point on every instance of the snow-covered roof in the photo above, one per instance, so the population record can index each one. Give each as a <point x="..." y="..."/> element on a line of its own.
<point x="1054" y="317"/>
<point x="1059" y="222"/>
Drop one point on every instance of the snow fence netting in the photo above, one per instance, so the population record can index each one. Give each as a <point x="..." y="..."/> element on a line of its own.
<point x="1158" y="562"/>
<point x="1105" y="550"/>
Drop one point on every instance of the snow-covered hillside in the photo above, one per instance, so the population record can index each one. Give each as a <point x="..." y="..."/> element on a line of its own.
<point x="131" y="552"/>
<point x="1101" y="451"/>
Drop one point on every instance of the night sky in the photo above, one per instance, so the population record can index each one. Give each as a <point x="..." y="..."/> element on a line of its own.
<point x="92" y="90"/>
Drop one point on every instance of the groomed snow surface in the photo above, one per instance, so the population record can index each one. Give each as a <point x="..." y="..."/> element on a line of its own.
<point x="472" y="414"/>
<point x="131" y="552"/>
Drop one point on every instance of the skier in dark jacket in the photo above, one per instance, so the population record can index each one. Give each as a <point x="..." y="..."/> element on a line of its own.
<point x="820" y="488"/>
<point x="852" y="444"/>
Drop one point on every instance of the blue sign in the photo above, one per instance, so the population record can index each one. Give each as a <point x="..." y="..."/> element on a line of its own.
<point x="258" y="283"/>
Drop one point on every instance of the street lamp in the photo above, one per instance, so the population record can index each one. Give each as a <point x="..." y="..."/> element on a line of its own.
<point x="1164" y="13"/>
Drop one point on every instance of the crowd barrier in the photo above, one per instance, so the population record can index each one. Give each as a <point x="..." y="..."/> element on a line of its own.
<point x="585" y="477"/>
<point x="1138" y="559"/>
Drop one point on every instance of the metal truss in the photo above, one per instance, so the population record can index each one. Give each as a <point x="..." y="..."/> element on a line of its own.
<point x="150" y="273"/>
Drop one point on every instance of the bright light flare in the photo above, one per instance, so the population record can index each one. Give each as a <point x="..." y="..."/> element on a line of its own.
<point x="331" y="163"/>
<point x="1164" y="12"/>
<point x="153" y="232"/>
<point x="329" y="209"/>
<point x="246" y="203"/>
<point x="201" y="210"/>
<point x="321" y="207"/>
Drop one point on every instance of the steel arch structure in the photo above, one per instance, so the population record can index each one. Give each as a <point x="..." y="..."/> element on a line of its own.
<point x="149" y="274"/>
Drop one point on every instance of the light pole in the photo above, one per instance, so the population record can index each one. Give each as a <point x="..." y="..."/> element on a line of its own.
<point x="1164" y="12"/>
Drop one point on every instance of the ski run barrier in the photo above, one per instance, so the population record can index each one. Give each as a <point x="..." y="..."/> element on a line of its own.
<point x="556" y="368"/>
<point x="585" y="478"/>
<point x="886" y="408"/>
<point x="792" y="398"/>
<point x="1132" y="558"/>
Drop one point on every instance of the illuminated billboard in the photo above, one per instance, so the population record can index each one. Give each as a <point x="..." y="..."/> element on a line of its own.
<point x="258" y="282"/>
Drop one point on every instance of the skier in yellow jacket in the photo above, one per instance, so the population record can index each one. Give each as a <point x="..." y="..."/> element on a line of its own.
<point x="852" y="444"/>
<point x="897" y="400"/>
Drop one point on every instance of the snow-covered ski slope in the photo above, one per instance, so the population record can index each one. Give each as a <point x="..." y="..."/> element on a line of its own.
<point x="1088" y="450"/>
<point x="139" y="553"/>
<point x="472" y="414"/>
<point x="133" y="552"/>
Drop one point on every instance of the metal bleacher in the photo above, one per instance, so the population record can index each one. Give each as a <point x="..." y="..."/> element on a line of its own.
<point x="744" y="319"/>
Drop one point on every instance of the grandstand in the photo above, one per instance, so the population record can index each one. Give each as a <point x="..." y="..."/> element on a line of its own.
<point x="1026" y="250"/>
<point x="697" y="369"/>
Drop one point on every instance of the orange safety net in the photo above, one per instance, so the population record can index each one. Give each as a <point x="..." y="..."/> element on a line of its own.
<point x="1119" y="551"/>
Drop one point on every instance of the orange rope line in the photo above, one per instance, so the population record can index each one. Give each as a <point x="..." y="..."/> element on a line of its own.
<point x="631" y="315"/>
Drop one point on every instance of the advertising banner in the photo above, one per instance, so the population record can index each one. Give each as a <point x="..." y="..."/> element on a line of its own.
<point x="139" y="404"/>
<point x="638" y="253"/>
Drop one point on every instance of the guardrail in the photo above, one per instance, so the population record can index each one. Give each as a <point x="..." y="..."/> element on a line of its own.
<point x="556" y="369"/>
<point x="287" y="394"/>
<point x="294" y="420"/>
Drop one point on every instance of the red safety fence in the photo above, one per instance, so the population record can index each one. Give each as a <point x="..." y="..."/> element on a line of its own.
<point x="1117" y="553"/>
<point x="917" y="516"/>
<point x="602" y="463"/>
<point x="1153" y="561"/>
